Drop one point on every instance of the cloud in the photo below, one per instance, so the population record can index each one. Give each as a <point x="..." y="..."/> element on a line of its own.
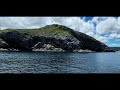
<point x="114" y="36"/>
<point x="23" y="22"/>
<point x="109" y="25"/>
<point x="98" y="37"/>
<point x="98" y="19"/>
<point x="107" y="28"/>
<point x="101" y="38"/>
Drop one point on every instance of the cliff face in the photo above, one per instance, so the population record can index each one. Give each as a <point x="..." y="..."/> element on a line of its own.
<point x="3" y="44"/>
<point x="57" y="37"/>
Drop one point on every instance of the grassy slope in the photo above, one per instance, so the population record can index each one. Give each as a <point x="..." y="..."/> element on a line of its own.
<point x="49" y="30"/>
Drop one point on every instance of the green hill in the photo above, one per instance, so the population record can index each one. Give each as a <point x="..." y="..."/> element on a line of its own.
<point x="57" y="36"/>
<point x="49" y="30"/>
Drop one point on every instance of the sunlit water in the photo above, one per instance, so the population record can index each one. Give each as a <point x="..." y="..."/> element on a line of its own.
<point x="59" y="62"/>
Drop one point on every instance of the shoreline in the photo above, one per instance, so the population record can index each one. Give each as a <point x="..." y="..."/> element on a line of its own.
<point x="42" y="50"/>
<point x="38" y="50"/>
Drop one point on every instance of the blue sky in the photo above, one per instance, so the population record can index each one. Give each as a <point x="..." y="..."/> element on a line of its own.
<point x="87" y="18"/>
<point x="104" y="29"/>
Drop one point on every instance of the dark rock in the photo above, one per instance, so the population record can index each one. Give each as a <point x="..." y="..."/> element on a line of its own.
<point x="17" y="40"/>
<point x="3" y="44"/>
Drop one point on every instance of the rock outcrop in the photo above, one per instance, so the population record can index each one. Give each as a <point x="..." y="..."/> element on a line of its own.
<point x="3" y="44"/>
<point x="52" y="38"/>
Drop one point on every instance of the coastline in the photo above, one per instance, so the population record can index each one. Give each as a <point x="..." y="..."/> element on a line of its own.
<point x="3" y="49"/>
<point x="42" y="50"/>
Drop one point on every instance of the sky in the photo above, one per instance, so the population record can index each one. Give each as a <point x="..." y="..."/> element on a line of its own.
<point x="104" y="29"/>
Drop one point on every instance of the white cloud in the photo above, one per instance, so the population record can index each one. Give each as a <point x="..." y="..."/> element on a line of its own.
<point x="108" y="25"/>
<point x="101" y="38"/>
<point x="23" y="22"/>
<point x="98" y="37"/>
<point x="98" y="19"/>
<point x="114" y="35"/>
<point x="90" y="33"/>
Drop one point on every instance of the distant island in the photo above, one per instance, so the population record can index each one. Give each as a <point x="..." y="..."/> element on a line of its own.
<point x="50" y="38"/>
<point x="115" y="48"/>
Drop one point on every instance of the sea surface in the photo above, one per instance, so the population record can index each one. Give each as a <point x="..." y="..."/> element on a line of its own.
<point x="59" y="62"/>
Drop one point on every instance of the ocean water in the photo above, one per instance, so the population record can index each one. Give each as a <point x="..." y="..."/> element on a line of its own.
<point x="59" y="62"/>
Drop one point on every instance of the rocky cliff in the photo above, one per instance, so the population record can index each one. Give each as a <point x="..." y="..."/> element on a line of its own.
<point x="51" y="37"/>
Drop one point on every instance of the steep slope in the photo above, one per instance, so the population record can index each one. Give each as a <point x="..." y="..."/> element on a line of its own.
<point x="57" y="36"/>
